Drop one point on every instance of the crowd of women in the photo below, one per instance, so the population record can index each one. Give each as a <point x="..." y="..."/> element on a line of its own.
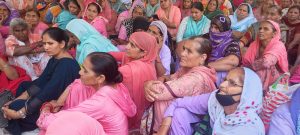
<point x="176" y="67"/>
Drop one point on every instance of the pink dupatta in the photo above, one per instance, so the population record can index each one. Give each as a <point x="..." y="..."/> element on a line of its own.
<point x="136" y="72"/>
<point x="265" y="65"/>
<point x="275" y="47"/>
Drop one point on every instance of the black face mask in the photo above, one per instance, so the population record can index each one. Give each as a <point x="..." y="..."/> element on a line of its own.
<point x="226" y="100"/>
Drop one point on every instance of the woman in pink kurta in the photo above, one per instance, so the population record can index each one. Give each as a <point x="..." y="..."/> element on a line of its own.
<point x="170" y="15"/>
<point x="91" y="15"/>
<point x="32" y="18"/>
<point x="194" y="78"/>
<point x="267" y="55"/>
<point x="104" y="99"/>
<point x="137" y="67"/>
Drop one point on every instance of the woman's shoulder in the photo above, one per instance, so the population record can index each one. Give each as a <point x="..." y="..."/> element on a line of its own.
<point x="66" y="62"/>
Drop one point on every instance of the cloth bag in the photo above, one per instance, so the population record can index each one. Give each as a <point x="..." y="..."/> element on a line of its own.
<point x="278" y="94"/>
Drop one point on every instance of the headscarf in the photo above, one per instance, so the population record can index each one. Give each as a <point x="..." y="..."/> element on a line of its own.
<point x="90" y="39"/>
<point x="211" y="15"/>
<point x="163" y="29"/>
<point x="194" y="28"/>
<point x="139" y="71"/>
<point x="245" y="119"/>
<point x="242" y="25"/>
<point x="64" y="18"/>
<point x="275" y="48"/>
<point x="220" y="40"/>
<point x="151" y="10"/>
<point x="13" y="13"/>
<point x="84" y="16"/>
<point x="85" y="126"/>
<point x="147" y="43"/>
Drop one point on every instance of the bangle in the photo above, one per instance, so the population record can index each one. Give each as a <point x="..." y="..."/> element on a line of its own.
<point x="22" y="114"/>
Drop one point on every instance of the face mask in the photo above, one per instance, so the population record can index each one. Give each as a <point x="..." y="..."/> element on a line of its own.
<point x="226" y="100"/>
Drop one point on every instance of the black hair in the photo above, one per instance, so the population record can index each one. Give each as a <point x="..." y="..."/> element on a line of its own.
<point x="33" y="10"/>
<point x="140" y="22"/>
<point x="205" y="46"/>
<point x="67" y="2"/>
<point x="105" y="64"/>
<point x="98" y="7"/>
<point x="210" y="2"/>
<point x="58" y="35"/>
<point x="198" y="5"/>
<point x="295" y="6"/>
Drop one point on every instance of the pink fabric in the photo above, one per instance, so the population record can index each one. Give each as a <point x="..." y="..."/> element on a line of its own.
<point x="274" y="55"/>
<point x="84" y="125"/>
<point x="122" y="33"/>
<point x="33" y="69"/>
<point x="4" y="30"/>
<point x="124" y="15"/>
<point x="2" y="45"/>
<point x="193" y="82"/>
<point x="185" y="13"/>
<point x="99" y="23"/>
<point x="295" y="78"/>
<point x="174" y="17"/>
<point x="40" y="28"/>
<point x="111" y="16"/>
<point x="110" y="106"/>
<point x="136" y="72"/>
<point x="77" y="94"/>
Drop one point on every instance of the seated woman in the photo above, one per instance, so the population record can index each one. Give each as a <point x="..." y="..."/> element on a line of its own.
<point x="137" y="67"/>
<point x="233" y="109"/>
<point x="242" y="19"/>
<point x="126" y="29"/>
<point x="98" y="93"/>
<point x="11" y="76"/>
<point x="110" y="15"/>
<point x="226" y="51"/>
<point x="285" y="120"/>
<point x="6" y="15"/>
<point x="136" y="9"/>
<point x="98" y="22"/>
<point x="273" y="13"/>
<point x="25" y="50"/>
<point x="267" y="55"/>
<point x="86" y="39"/>
<point x="212" y="9"/>
<point x="151" y="7"/>
<point x="262" y="8"/>
<point x="85" y="125"/>
<point x="194" y="25"/>
<point x="32" y="18"/>
<point x="292" y="23"/>
<point x="186" y="8"/>
<point x="60" y="71"/>
<point x="163" y="62"/>
<point x="170" y="15"/>
<point x="194" y="78"/>
<point x="72" y="6"/>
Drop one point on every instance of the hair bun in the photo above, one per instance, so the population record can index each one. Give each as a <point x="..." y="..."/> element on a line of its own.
<point x="118" y="78"/>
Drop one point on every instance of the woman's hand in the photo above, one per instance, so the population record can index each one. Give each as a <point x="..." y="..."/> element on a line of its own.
<point x="150" y="91"/>
<point x="7" y="103"/>
<point x="164" y="78"/>
<point x="10" y="114"/>
<point x="56" y="106"/>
